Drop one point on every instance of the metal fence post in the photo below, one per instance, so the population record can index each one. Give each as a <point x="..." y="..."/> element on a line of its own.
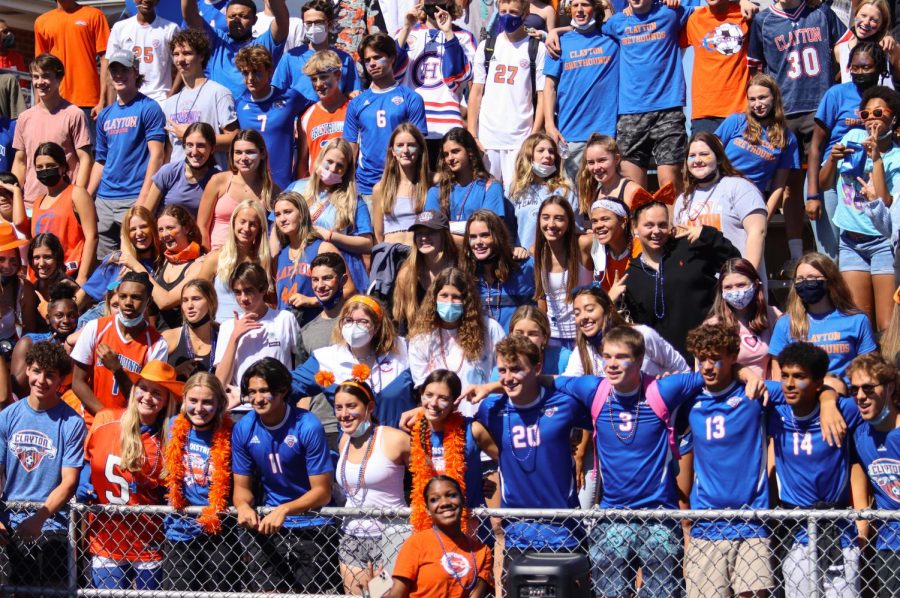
<point x="812" y="532"/>
<point x="73" y="549"/>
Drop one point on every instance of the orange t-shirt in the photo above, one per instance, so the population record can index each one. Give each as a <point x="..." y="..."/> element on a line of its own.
<point x="430" y="567"/>
<point x="61" y="220"/>
<point x="119" y="536"/>
<point x="76" y="38"/>
<point x="719" y="83"/>
<point x="321" y="126"/>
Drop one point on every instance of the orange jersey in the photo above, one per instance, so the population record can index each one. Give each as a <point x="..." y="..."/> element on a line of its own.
<point x="321" y="126"/>
<point x="131" y="537"/>
<point x="719" y="84"/>
<point x="61" y="220"/>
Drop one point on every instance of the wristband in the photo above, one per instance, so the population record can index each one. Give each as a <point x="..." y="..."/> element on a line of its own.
<point x="813" y="196"/>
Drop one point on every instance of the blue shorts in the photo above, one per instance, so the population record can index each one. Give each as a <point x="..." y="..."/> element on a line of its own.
<point x="864" y="253"/>
<point x="618" y="549"/>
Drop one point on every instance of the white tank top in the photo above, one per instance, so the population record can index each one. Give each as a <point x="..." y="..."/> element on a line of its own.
<point x="227" y="303"/>
<point x="559" y="305"/>
<point x="403" y="217"/>
<point x="382" y="487"/>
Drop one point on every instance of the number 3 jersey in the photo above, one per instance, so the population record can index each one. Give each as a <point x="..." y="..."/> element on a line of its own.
<point x="795" y="48"/>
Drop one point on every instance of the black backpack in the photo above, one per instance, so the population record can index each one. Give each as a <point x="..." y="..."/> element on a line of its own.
<point x="533" y="45"/>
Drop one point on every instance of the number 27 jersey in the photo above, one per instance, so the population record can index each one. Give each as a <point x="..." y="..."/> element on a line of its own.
<point x="796" y="48"/>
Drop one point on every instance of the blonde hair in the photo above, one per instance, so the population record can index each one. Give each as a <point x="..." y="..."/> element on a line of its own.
<point x="384" y="336"/>
<point x="144" y="214"/>
<point x="525" y="177"/>
<point x="306" y="231"/>
<point x="210" y="382"/>
<point x="131" y="444"/>
<point x="229" y="255"/>
<point x="838" y="294"/>
<point x="386" y="190"/>
<point x="322" y="61"/>
<point x="885" y="11"/>
<point x="343" y="196"/>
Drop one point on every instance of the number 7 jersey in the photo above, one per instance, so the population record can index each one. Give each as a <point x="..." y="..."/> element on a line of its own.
<point x="796" y="48"/>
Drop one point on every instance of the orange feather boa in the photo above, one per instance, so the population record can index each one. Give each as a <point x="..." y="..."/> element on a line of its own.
<point x="422" y="466"/>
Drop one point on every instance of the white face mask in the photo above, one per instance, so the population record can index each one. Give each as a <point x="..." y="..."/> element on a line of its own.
<point x="543" y="170"/>
<point x="356" y="336"/>
<point x="316" y="33"/>
<point x="132" y="322"/>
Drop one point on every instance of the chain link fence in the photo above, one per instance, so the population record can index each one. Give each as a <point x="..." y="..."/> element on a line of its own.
<point x="157" y="552"/>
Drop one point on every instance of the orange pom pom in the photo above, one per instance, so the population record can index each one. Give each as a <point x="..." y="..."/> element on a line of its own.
<point x="324" y="378"/>
<point x="360" y="372"/>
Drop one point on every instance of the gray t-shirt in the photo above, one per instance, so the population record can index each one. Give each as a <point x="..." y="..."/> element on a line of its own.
<point x="209" y="102"/>
<point x="317" y="334"/>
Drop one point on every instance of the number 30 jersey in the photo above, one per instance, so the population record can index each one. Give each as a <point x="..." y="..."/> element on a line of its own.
<point x="796" y="48"/>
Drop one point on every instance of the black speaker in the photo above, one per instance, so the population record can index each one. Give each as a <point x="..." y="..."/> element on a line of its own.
<point x="557" y="575"/>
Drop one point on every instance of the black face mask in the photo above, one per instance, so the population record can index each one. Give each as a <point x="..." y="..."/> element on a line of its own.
<point x="49" y="177"/>
<point x="811" y="291"/>
<point x="8" y="40"/>
<point x="864" y="80"/>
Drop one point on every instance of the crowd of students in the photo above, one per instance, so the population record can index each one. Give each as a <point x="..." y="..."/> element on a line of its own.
<point x="248" y="265"/>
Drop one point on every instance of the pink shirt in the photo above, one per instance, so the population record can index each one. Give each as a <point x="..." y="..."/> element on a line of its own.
<point x="66" y="126"/>
<point x="754" y="352"/>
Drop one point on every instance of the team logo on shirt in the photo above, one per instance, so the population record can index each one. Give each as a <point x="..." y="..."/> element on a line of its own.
<point x="524" y="64"/>
<point x="255" y="440"/>
<point x="885" y="473"/>
<point x="397" y="100"/>
<point x="279" y="104"/>
<point x="290" y="440"/>
<point x="734" y="402"/>
<point x="456" y="565"/>
<point x="726" y="39"/>
<point x="30" y="447"/>
<point x="551" y="411"/>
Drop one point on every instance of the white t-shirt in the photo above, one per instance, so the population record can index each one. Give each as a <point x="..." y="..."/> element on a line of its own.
<point x="150" y="44"/>
<point x="507" y="113"/>
<point x="277" y="337"/>
<point x="295" y="30"/>
<point x="208" y="102"/>
<point x="659" y="357"/>
<point x="83" y="351"/>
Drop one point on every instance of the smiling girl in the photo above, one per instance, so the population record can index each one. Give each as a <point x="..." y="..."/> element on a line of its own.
<point x="182" y="183"/>
<point x="400" y="194"/>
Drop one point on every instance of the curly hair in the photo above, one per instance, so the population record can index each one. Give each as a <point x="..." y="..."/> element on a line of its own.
<point x="194" y="39"/>
<point x="807" y="356"/>
<point x="515" y="346"/>
<point x="710" y="339"/>
<point x="472" y="328"/>
<point x="876" y="366"/>
<point x="48" y="355"/>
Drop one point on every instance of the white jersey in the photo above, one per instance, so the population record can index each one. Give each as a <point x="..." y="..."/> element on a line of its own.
<point x="295" y="30"/>
<point x="507" y="112"/>
<point x="150" y="45"/>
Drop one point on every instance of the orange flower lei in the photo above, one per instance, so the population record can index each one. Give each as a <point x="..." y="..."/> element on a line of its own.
<point x="220" y="480"/>
<point x="422" y="467"/>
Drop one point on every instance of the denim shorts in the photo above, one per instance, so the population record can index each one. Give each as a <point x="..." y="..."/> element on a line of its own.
<point x="864" y="253"/>
<point x="618" y="549"/>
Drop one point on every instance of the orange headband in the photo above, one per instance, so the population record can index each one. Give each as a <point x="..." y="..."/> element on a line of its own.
<point x="368" y="302"/>
<point x="356" y="384"/>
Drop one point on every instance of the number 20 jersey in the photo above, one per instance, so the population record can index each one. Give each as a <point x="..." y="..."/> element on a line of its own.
<point x="795" y="48"/>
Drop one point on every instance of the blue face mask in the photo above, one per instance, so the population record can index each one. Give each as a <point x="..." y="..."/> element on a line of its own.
<point x="885" y="412"/>
<point x="449" y="312"/>
<point x="335" y="299"/>
<point x="509" y="23"/>
<point x="361" y="429"/>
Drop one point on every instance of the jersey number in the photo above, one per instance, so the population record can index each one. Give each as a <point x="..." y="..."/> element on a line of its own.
<point x="112" y="461"/>
<point x="381" y="119"/>
<point x="524" y="437"/>
<point x="275" y="463"/>
<point x="802" y="443"/>
<point x="803" y="62"/>
<point x="143" y="53"/>
<point x="715" y="427"/>
<point x="505" y="74"/>
<point x="626" y="424"/>
<point x="262" y="118"/>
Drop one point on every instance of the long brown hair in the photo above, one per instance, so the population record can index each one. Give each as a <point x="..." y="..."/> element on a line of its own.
<point x="757" y="309"/>
<point x="588" y="187"/>
<point x="723" y="164"/>
<point x="406" y="297"/>
<point x="753" y="134"/>
<point x="471" y="330"/>
<point x="386" y="191"/>
<point x="504" y="264"/>
<point x="613" y="319"/>
<point x="838" y="293"/>
<point x="542" y="256"/>
<point x="446" y="178"/>
<point x="256" y="139"/>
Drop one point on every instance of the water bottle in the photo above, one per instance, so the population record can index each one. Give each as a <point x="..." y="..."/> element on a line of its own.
<point x="563" y="150"/>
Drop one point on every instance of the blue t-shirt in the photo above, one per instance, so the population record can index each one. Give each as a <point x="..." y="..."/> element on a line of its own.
<point x="879" y="454"/>
<point x="650" y="74"/>
<point x="7" y="153"/>
<point x="464" y="200"/>
<point x="197" y="474"/>
<point x="730" y="459"/>
<point x="108" y="271"/>
<point x="759" y="163"/>
<point x="121" y="146"/>
<point x="282" y="458"/>
<point x="842" y="336"/>
<point x="501" y="299"/>
<point x="632" y="443"/>
<point x="35" y="447"/>
<point x="838" y="113"/>
<point x="849" y="214"/>
<point x="796" y="49"/>
<point x="274" y="118"/>
<point x="176" y="189"/>
<point x="289" y="72"/>
<point x="536" y="463"/>
<point x="371" y="118"/>
<point x="586" y="73"/>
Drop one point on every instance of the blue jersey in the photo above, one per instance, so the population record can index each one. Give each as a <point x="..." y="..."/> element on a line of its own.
<point x="838" y="113"/>
<point x="758" y="163"/>
<point x="842" y="336"/>
<point x="474" y="494"/>
<point x="197" y="475"/>
<point x="632" y="442"/>
<point x="536" y="466"/>
<point x="500" y="300"/>
<point x="274" y="117"/>
<point x="795" y="48"/>
<point x="283" y="458"/>
<point x="123" y="131"/>
<point x="294" y="277"/>
<point x="289" y="72"/>
<point x="650" y="74"/>
<point x="730" y="459"/>
<point x="586" y="73"/>
<point x="34" y="448"/>
<point x="479" y="194"/>
<point x="7" y="131"/>
<point x="879" y="454"/>
<point x="371" y="118"/>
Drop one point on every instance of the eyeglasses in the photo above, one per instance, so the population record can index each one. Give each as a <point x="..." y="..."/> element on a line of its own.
<point x="868" y="389"/>
<point x="876" y="113"/>
<point x="809" y="279"/>
<point x="348" y="321"/>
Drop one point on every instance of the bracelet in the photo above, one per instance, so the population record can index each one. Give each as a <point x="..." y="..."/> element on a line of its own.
<point x="813" y="196"/>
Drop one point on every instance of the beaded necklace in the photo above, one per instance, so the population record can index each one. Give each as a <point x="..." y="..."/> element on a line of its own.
<point x="360" y="480"/>
<point x="512" y="448"/>
<point x="659" y="296"/>
<point x="467" y="587"/>
<point x="444" y="355"/>
<point x="462" y="206"/>
<point x="634" y="418"/>
<point x="482" y="283"/>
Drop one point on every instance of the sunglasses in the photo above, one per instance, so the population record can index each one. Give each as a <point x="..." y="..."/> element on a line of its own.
<point x="876" y="113"/>
<point x="868" y="389"/>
